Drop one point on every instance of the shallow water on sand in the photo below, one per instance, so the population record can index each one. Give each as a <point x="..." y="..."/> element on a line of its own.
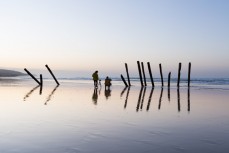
<point x="74" y="117"/>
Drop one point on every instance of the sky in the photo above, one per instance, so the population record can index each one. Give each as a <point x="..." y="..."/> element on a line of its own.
<point x="77" y="37"/>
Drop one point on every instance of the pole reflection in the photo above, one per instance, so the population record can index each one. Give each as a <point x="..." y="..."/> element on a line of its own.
<point x="30" y="92"/>
<point x="188" y="99"/>
<point x="50" y="95"/>
<point x="139" y="99"/>
<point x="127" y="95"/>
<point x="149" y="100"/>
<point x="160" y="99"/>
<point x="178" y="99"/>
<point x="143" y="97"/>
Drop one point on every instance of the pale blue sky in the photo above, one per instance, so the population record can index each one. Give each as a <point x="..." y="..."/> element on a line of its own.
<point x="82" y="36"/>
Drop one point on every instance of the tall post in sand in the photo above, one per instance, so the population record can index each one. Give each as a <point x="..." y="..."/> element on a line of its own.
<point x="143" y="71"/>
<point x="150" y="73"/>
<point x="52" y="74"/>
<point x="41" y="84"/>
<point x="140" y="73"/>
<point x="169" y="77"/>
<point x="178" y="80"/>
<point x="127" y="72"/>
<point x="189" y="73"/>
<point x="162" y="82"/>
<point x="32" y="76"/>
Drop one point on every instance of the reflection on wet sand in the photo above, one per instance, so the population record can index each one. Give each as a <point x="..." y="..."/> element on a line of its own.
<point x="95" y="96"/>
<point x="107" y="93"/>
<point x="30" y="92"/>
<point x="160" y="99"/>
<point x="139" y="99"/>
<point x="149" y="100"/>
<point x="127" y="94"/>
<point x="188" y="99"/>
<point x="50" y="95"/>
<point x="143" y="97"/>
<point x="178" y="99"/>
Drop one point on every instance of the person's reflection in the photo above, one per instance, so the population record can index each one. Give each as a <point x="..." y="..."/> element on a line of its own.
<point x="160" y="99"/>
<point x="178" y="98"/>
<point x="127" y="95"/>
<point x="139" y="99"/>
<point x="30" y="92"/>
<point x="95" y="96"/>
<point x="149" y="100"/>
<point x="188" y="99"/>
<point x="107" y="93"/>
<point x="50" y="95"/>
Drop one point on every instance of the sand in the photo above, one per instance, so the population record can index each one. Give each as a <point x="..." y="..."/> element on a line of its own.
<point x="73" y="118"/>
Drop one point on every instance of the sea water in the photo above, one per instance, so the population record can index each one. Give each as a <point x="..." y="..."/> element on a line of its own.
<point x="75" y="117"/>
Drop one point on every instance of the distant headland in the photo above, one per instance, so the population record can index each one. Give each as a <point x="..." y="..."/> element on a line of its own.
<point x="10" y="73"/>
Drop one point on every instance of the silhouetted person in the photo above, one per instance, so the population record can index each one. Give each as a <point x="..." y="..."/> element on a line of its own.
<point x="107" y="82"/>
<point x="107" y="93"/>
<point x="95" y="96"/>
<point x="95" y="77"/>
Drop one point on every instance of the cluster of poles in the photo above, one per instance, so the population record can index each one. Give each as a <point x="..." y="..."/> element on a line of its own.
<point x="40" y="83"/>
<point x="142" y="75"/>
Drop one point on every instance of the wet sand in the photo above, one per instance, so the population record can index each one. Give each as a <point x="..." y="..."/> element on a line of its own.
<point x="73" y="117"/>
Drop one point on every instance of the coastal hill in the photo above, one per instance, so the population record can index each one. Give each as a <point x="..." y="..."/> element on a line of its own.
<point x="10" y="73"/>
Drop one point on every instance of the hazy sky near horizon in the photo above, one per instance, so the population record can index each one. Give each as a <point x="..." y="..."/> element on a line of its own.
<point x="86" y="35"/>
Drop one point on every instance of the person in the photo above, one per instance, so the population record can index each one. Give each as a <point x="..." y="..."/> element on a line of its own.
<point x="107" y="82"/>
<point x="95" y="77"/>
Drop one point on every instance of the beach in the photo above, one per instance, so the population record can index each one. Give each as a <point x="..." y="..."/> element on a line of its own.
<point x="73" y="117"/>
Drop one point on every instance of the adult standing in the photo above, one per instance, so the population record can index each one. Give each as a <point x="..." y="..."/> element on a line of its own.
<point x="95" y="77"/>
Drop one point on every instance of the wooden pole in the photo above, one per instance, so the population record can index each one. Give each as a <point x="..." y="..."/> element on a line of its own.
<point x="52" y="74"/>
<point x="150" y="73"/>
<point x="169" y="77"/>
<point x="124" y="81"/>
<point x="41" y="84"/>
<point x="162" y="82"/>
<point x="32" y="76"/>
<point x="143" y="71"/>
<point x="140" y="73"/>
<point x="178" y="81"/>
<point x="189" y="73"/>
<point x="127" y="72"/>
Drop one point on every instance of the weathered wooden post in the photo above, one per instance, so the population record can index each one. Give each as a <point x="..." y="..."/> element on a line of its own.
<point x="150" y="73"/>
<point x="41" y="84"/>
<point x="162" y="82"/>
<point x="124" y="81"/>
<point x="127" y="72"/>
<point x="140" y="73"/>
<point x="189" y="73"/>
<point x="52" y="74"/>
<point x="169" y="77"/>
<point x="32" y="76"/>
<point x="178" y="80"/>
<point x="143" y="71"/>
